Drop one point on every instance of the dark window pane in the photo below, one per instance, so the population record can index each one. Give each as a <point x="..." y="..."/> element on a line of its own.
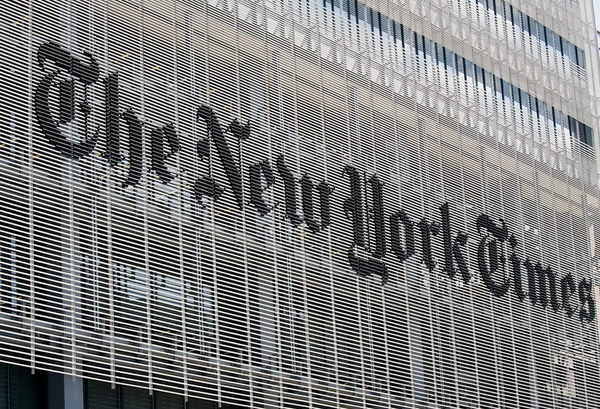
<point x="100" y="395"/>
<point x="134" y="398"/>
<point x="27" y="391"/>
<point x="168" y="401"/>
<point x="193" y="403"/>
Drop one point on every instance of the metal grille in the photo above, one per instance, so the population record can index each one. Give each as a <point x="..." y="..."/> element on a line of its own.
<point x="240" y="229"/>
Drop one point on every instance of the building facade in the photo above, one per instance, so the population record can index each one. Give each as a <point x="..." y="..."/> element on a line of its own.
<point x="298" y="204"/>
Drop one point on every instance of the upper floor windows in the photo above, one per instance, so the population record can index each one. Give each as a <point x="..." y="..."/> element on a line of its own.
<point x="365" y="16"/>
<point x="484" y="82"/>
<point x="536" y="30"/>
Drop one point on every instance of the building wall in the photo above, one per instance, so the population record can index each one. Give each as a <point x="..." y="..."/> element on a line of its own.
<point x="264" y="204"/>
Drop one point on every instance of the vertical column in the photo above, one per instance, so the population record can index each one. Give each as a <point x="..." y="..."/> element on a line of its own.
<point x="64" y="392"/>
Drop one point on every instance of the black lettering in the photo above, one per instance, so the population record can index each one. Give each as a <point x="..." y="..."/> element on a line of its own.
<point x="515" y="263"/>
<point x="459" y="242"/>
<point x="325" y="192"/>
<point x="499" y="232"/>
<point x="587" y="312"/>
<point x="487" y="273"/>
<point x="87" y="73"/>
<point x="134" y="125"/>
<point x="206" y="186"/>
<point x="353" y="209"/>
<point x="542" y="281"/>
<point x="547" y="285"/>
<point x="531" y="281"/>
<point x="428" y="230"/>
<point x="452" y="248"/>
<point x="242" y="132"/>
<point x="308" y="207"/>
<point x="113" y="144"/>
<point x="257" y="172"/>
<point x="289" y="188"/>
<point x="495" y="254"/>
<point x="66" y="100"/>
<point x="378" y="216"/>
<point x="217" y="134"/>
<point x="567" y="286"/>
<point x="157" y="148"/>
<point x="403" y="253"/>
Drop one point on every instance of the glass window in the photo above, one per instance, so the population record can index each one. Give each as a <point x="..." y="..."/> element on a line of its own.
<point x="565" y="47"/>
<point x="497" y="86"/>
<point x="533" y="27"/>
<point x="506" y="89"/>
<point x="428" y="49"/>
<point x="406" y="37"/>
<point x="516" y="95"/>
<point x="559" y="118"/>
<point x="503" y="9"/>
<point x="168" y="401"/>
<point x="373" y="20"/>
<point x="517" y="18"/>
<point x="529" y="25"/>
<point x="549" y="38"/>
<point x="525" y="22"/>
<point x="134" y="398"/>
<point x="533" y="105"/>
<point x="384" y="24"/>
<point x="469" y="76"/>
<point x="509" y="13"/>
<point x="479" y="75"/>
<point x="460" y="66"/>
<point x="580" y="57"/>
<point x="541" y="109"/>
<point x="396" y="32"/>
<point x="524" y="100"/>
<point x="572" y="53"/>
<point x="101" y="395"/>
<point x="542" y="33"/>
<point x="376" y="21"/>
<point x="337" y="6"/>
<point x="589" y="135"/>
<point x="449" y="61"/>
<point x="419" y="45"/>
<point x="346" y="6"/>
<point x="439" y="56"/>
<point x="488" y="80"/>
<point x="572" y="127"/>
<point x="360" y="14"/>
<point x="355" y="9"/>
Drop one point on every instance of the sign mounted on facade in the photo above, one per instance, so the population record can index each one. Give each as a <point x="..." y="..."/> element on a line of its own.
<point x="375" y="237"/>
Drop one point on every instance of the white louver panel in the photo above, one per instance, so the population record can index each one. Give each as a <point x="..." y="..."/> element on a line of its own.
<point x="254" y="203"/>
